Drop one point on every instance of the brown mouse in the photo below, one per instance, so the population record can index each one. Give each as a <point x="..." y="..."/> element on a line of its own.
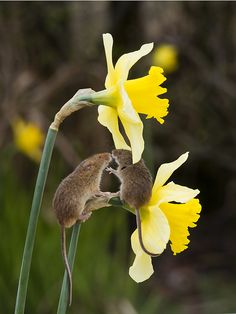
<point x="72" y="194"/>
<point x="136" y="185"/>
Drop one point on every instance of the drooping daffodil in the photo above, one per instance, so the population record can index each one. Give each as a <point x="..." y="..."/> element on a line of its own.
<point x="164" y="221"/>
<point x="123" y="99"/>
<point x="28" y="138"/>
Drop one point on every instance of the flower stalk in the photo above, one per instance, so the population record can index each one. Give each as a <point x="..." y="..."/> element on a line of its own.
<point x="30" y="237"/>
<point x="78" y="101"/>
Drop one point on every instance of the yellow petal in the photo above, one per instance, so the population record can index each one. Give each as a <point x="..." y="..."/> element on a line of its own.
<point x="174" y="193"/>
<point x="181" y="217"/>
<point x="142" y="268"/>
<point x="143" y="93"/>
<point x="108" y="44"/>
<point x="132" y="124"/>
<point x="126" y="61"/>
<point x="107" y="116"/>
<point x="125" y="107"/>
<point x="165" y="171"/>
<point x="155" y="231"/>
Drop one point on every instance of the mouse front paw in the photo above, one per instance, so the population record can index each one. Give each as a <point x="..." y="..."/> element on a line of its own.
<point x="111" y="170"/>
<point x="84" y="216"/>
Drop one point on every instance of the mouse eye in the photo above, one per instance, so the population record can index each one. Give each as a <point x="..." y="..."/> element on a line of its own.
<point x="123" y="168"/>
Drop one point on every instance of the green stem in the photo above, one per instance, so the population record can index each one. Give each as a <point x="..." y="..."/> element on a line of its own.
<point x="30" y="237"/>
<point x="116" y="202"/>
<point x="63" y="301"/>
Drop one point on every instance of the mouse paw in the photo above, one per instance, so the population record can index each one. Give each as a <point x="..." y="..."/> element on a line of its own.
<point x="102" y="194"/>
<point x="110" y="170"/>
<point x="115" y="194"/>
<point x="107" y="195"/>
<point x="84" y="216"/>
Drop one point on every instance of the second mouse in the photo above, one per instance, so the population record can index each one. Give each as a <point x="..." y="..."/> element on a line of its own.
<point x="136" y="186"/>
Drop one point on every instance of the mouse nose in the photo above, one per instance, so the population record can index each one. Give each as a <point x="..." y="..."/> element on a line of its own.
<point x="113" y="163"/>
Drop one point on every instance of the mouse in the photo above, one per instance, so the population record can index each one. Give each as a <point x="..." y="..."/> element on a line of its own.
<point x="136" y="186"/>
<point x="72" y="195"/>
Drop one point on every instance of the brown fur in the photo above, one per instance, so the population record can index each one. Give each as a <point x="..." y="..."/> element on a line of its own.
<point x="73" y="193"/>
<point x="78" y="187"/>
<point x="136" y="185"/>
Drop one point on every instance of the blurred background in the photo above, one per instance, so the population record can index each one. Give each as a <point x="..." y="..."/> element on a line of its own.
<point x="48" y="51"/>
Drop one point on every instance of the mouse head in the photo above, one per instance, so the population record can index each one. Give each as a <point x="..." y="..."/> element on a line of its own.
<point x="96" y="162"/>
<point x="103" y="158"/>
<point x="122" y="157"/>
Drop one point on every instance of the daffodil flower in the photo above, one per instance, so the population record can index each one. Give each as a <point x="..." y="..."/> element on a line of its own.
<point x="123" y="99"/>
<point x="166" y="56"/>
<point x="162" y="220"/>
<point x="28" y="138"/>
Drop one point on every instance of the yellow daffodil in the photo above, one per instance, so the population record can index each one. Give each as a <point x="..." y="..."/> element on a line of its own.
<point x="28" y="138"/>
<point x="166" y="56"/>
<point x="123" y="99"/>
<point x="163" y="220"/>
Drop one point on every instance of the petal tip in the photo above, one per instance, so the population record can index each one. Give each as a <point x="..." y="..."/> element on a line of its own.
<point x="108" y="35"/>
<point x="147" y="47"/>
<point x="138" y="276"/>
<point x="184" y="157"/>
<point x="107" y="38"/>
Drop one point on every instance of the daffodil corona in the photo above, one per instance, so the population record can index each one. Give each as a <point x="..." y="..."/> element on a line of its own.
<point x="164" y="221"/>
<point x="123" y="99"/>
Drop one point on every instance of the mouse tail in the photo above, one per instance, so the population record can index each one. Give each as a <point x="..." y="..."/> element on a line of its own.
<point x="140" y="236"/>
<point x="64" y="254"/>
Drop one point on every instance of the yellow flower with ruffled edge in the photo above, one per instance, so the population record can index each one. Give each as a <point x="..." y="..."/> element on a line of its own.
<point x="123" y="99"/>
<point x="166" y="56"/>
<point x="28" y="138"/>
<point x="164" y="221"/>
